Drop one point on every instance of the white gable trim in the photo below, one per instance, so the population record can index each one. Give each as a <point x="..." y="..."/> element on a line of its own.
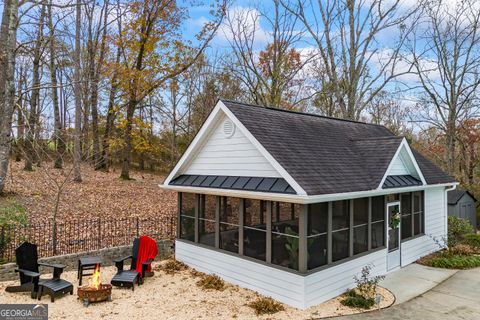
<point x="403" y="145"/>
<point x="204" y="132"/>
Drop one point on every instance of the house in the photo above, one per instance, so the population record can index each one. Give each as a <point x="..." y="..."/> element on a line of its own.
<point x="294" y="205"/>
<point x="462" y="204"/>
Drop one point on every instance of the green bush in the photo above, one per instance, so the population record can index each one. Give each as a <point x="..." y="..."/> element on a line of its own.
<point x="266" y="306"/>
<point x="453" y="261"/>
<point x="472" y="239"/>
<point x="457" y="229"/>
<point x="355" y="300"/>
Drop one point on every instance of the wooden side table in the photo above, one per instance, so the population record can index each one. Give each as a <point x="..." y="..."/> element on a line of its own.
<point x="86" y="264"/>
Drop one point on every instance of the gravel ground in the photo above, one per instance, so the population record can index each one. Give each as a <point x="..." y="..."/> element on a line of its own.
<point x="176" y="296"/>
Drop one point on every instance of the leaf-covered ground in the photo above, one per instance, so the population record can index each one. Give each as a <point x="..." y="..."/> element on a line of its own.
<point x="101" y="194"/>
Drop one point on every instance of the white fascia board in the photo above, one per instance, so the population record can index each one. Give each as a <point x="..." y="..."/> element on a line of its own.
<point x="298" y="189"/>
<point x="301" y="199"/>
<point x="403" y="144"/>
<point x="196" y="143"/>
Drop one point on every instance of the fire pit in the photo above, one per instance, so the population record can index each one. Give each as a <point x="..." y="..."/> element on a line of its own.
<point x="95" y="291"/>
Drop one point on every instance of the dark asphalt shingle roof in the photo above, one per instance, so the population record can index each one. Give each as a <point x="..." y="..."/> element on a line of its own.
<point x="455" y="195"/>
<point x="327" y="155"/>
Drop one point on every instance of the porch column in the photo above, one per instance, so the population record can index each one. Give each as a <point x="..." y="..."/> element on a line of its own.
<point x="269" y="231"/>
<point x="217" y="222"/>
<point x="179" y="209"/>
<point x="302" y="239"/>
<point x="197" y="214"/>
<point x="369" y="226"/>
<point x="329" y="234"/>
<point x="350" y="246"/>
<point x="241" y="214"/>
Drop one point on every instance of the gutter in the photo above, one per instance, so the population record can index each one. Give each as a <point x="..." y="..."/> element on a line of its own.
<point x="446" y="208"/>
<point x="300" y="198"/>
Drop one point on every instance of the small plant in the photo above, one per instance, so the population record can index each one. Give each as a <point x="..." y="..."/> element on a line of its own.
<point x="212" y="282"/>
<point x="292" y="247"/>
<point x="473" y="240"/>
<point x="266" y="305"/>
<point x="355" y="300"/>
<point x="173" y="266"/>
<point x="453" y="262"/>
<point x="363" y="296"/>
<point x="457" y="229"/>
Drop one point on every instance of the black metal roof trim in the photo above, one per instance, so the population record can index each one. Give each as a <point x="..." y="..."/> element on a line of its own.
<point x="260" y="184"/>
<point x="401" y="181"/>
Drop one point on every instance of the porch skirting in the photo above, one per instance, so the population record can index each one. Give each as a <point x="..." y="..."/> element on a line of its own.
<point x="297" y="290"/>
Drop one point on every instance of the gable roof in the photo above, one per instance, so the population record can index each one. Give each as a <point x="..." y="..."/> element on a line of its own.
<point x="327" y="155"/>
<point x="455" y="195"/>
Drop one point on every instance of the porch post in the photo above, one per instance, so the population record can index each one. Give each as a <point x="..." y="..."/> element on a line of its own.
<point x="369" y="224"/>
<point x="412" y="201"/>
<point x="179" y="210"/>
<point x="302" y="239"/>
<point x="269" y="231"/>
<point x="350" y="247"/>
<point x="241" y="209"/>
<point x="197" y="214"/>
<point x="329" y="233"/>
<point x="217" y="222"/>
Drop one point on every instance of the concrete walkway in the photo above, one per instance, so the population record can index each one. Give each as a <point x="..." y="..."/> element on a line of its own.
<point x="458" y="297"/>
<point x="414" y="280"/>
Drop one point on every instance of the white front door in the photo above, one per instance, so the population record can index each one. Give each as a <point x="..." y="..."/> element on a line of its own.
<point x="393" y="258"/>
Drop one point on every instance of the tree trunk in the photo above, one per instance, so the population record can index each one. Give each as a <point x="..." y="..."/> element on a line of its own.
<point x="127" y="149"/>
<point x="77" y="152"/>
<point x="450" y="136"/>
<point x="57" y="134"/>
<point x="8" y="41"/>
<point x="20" y="117"/>
<point x="30" y="152"/>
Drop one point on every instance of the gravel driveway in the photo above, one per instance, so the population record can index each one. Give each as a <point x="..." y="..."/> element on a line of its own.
<point x="456" y="298"/>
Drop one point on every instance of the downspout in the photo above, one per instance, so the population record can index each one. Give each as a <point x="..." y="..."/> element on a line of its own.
<point x="446" y="209"/>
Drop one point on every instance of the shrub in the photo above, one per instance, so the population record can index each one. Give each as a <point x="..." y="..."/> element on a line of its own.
<point x="355" y="300"/>
<point x="457" y="229"/>
<point x="173" y="266"/>
<point x="462" y="250"/>
<point x="472" y="239"/>
<point x="453" y="261"/>
<point x="266" y="305"/>
<point x="366" y="285"/>
<point x="211" y="281"/>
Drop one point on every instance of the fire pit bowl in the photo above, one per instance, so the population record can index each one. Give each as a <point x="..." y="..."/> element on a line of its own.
<point x="90" y="294"/>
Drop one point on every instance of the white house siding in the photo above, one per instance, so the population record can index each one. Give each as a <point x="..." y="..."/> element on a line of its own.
<point x="403" y="165"/>
<point x="331" y="282"/>
<point x="230" y="156"/>
<point x="281" y="285"/>
<point x="287" y="287"/>
<point x="435" y="228"/>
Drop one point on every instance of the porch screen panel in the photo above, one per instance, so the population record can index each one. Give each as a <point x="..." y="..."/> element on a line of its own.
<point x="285" y="239"/>
<point x="206" y="220"/>
<point x="317" y="226"/>
<point x="378" y="220"/>
<point x="360" y="225"/>
<point x="406" y="214"/>
<point x="229" y="212"/>
<point x="255" y="229"/>
<point x="418" y="214"/>
<point x="187" y="216"/>
<point x="340" y="229"/>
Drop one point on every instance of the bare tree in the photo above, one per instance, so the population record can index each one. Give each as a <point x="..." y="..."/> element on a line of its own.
<point x="445" y="51"/>
<point x="77" y="152"/>
<point x="346" y="34"/>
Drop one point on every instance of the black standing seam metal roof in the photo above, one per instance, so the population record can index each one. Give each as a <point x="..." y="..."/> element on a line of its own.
<point x="260" y="184"/>
<point x="400" y="181"/>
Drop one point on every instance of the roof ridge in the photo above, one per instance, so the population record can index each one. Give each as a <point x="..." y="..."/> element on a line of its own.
<point x="393" y="137"/>
<point x="299" y="112"/>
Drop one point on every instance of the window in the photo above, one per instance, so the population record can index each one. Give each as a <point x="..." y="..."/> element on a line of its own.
<point x="206" y="220"/>
<point x="255" y="229"/>
<point x="285" y="238"/>
<point x="418" y="214"/>
<point x="317" y="225"/>
<point x="229" y="210"/>
<point x="187" y="216"/>
<point x="406" y="213"/>
<point x="360" y="225"/>
<point x="378" y="218"/>
<point x="340" y="229"/>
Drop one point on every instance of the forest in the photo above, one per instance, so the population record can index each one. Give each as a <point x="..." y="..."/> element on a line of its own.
<point x="125" y="85"/>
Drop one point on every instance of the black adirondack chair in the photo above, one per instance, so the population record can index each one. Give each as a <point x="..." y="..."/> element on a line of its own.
<point x="127" y="278"/>
<point x="28" y="269"/>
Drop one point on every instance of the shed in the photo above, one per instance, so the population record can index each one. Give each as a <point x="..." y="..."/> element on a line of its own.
<point x="293" y="205"/>
<point x="462" y="204"/>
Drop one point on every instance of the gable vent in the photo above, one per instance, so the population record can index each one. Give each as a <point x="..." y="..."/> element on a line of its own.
<point x="228" y="128"/>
